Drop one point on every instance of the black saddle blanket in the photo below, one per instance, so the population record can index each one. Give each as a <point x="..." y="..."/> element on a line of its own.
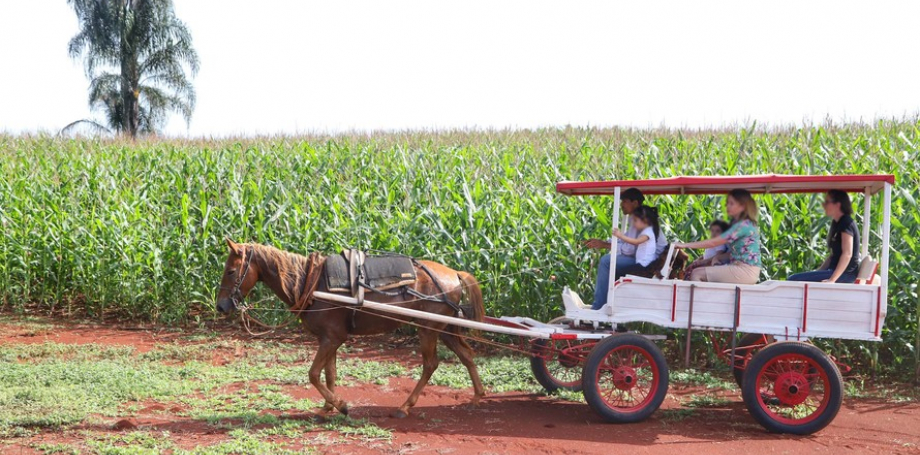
<point x="379" y="272"/>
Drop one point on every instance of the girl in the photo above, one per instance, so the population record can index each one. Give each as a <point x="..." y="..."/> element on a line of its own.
<point x="743" y="240"/>
<point x="645" y="220"/>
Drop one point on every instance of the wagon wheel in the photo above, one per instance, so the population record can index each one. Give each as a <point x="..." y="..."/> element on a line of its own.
<point x="792" y="387"/>
<point x="749" y="345"/>
<point x="625" y="378"/>
<point x="557" y="364"/>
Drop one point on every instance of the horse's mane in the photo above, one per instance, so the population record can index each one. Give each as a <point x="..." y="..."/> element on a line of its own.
<point x="292" y="268"/>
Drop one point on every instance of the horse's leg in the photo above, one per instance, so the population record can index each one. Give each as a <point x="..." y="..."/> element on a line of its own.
<point x="429" y="348"/>
<point x="330" y="379"/>
<point x="465" y="354"/>
<point x="327" y="348"/>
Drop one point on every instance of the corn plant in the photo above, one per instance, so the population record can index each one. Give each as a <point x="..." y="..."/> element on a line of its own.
<point x="109" y="227"/>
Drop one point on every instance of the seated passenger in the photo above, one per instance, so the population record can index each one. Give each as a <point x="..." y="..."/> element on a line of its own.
<point x="717" y="255"/>
<point x="644" y="220"/>
<point x="743" y="239"/>
<point x="842" y="265"/>
<point x="630" y="200"/>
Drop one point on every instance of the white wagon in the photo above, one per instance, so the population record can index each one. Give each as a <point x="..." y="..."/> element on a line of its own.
<point x="788" y="386"/>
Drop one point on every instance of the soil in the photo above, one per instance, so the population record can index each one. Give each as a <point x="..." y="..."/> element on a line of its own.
<point x="508" y="423"/>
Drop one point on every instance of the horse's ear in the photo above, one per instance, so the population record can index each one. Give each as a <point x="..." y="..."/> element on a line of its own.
<point x="234" y="247"/>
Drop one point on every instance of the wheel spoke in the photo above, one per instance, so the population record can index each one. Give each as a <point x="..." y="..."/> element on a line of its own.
<point x="626" y="378"/>
<point x="794" y="374"/>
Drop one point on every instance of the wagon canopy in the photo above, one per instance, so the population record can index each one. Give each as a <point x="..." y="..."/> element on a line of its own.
<point x="771" y="183"/>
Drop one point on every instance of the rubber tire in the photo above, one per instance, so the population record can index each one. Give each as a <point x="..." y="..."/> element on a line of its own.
<point x="747" y="340"/>
<point x="835" y="387"/>
<point x="589" y="378"/>
<point x="543" y="376"/>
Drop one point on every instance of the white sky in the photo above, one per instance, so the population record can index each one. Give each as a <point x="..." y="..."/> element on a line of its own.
<point x="276" y="66"/>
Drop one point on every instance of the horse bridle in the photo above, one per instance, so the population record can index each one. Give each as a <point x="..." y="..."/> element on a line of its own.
<point x="235" y="295"/>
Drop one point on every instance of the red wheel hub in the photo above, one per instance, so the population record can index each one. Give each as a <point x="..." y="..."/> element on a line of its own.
<point x="624" y="378"/>
<point x="792" y="388"/>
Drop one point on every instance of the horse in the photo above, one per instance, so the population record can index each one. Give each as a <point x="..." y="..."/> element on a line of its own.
<point x="294" y="278"/>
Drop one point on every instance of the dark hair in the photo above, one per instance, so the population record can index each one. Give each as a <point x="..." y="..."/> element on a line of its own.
<point x="843" y="198"/>
<point x="744" y="198"/>
<point x="633" y="194"/>
<point x="721" y="224"/>
<point x="650" y="216"/>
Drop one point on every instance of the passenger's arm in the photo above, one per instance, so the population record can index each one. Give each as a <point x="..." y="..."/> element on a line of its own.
<point x="711" y="243"/>
<point x="846" y="253"/>
<point x="597" y="244"/>
<point x="637" y="241"/>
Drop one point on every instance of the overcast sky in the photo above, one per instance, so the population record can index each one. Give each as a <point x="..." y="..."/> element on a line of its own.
<point x="274" y="66"/>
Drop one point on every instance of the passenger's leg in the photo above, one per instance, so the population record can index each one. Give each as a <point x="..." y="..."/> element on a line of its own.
<point x="848" y="278"/>
<point x="736" y="272"/>
<point x="631" y="269"/>
<point x="603" y="277"/>
<point x="699" y="274"/>
<point x="625" y="261"/>
<point x="602" y="282"/>
<point x="814" y="275"/>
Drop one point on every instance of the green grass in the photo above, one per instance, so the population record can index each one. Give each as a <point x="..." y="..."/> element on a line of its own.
<point x="64" y="449"/>
<point x="53" y="385"/>
<point x="692" y="377"/>
<point x="56" y="386"/>
<point x="136" y="229"/>
<point x="241" y="442"/>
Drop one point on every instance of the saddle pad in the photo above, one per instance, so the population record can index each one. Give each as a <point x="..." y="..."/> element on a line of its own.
<point x="385" y="272"/>
<point x="381" y="272"/>
<point x="337" y="279"/>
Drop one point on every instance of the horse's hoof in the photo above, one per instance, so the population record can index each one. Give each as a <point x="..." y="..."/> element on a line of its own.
<point x="328" y="407"/>
<point x="343" y="408"/>
<point x="400" y="414"/>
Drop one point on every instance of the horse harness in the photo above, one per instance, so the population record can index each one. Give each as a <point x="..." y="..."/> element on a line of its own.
<point x="235" y="295"/>
<point x="361" y="284"/>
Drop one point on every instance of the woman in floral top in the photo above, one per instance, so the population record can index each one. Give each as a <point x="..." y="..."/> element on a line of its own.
<point x="743" y="239"/>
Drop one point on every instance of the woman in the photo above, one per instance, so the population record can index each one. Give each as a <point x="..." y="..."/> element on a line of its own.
<point x="842" y="265"/>
<point x="743" y="239"/>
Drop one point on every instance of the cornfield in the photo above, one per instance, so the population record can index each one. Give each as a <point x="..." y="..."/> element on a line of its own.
<point x="136" y="229"/>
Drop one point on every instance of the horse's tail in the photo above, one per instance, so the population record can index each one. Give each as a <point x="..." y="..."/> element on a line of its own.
<point x="474" y="296"/>
<point x="477" y="310"/>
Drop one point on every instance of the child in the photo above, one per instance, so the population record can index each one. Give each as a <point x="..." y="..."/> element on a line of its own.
<point x="645" y="220"/>
<point x="711" y="256"/>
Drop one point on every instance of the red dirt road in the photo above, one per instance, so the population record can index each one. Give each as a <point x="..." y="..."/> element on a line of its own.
<point x="442" y="423"/>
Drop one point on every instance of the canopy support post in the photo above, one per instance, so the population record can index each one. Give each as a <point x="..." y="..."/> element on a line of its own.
<point x="886" y="234"/>
<point x="611" y="283"/>
<point x="867" y="211"/>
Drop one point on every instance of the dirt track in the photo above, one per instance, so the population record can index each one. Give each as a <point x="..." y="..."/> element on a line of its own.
<point x="516" y="423"/>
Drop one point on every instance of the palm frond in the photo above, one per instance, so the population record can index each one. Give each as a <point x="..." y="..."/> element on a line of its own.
<point x="135" y="52"/>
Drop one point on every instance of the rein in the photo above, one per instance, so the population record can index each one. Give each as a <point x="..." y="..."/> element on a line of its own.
<point x="311" y="282"/>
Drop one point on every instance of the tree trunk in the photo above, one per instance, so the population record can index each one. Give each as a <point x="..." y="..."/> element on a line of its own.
<point x="129" y="101"/>
<point x="129" y="78"/>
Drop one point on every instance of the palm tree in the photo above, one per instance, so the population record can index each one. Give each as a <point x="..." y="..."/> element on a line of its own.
<point x="135" y="53"/>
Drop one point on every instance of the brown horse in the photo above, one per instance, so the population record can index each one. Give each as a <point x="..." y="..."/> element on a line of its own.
<point x="293" y="278"/>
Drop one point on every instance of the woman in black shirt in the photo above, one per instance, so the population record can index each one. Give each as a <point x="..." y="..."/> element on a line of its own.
<point x="843" y="239"/>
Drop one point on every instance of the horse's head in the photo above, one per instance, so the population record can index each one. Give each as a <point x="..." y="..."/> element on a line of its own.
<point x="240" y="275"/>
